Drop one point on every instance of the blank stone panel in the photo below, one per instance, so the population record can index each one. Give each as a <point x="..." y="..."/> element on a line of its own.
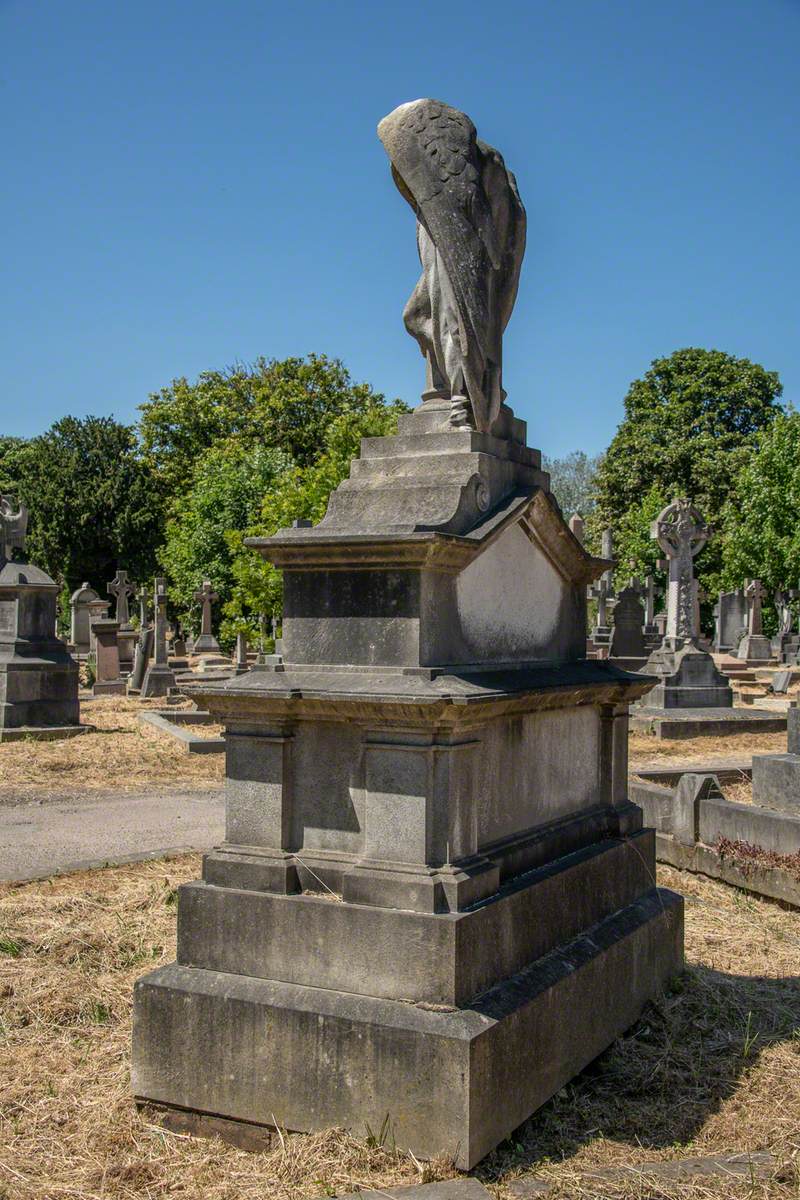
<point x="533" y="769"/>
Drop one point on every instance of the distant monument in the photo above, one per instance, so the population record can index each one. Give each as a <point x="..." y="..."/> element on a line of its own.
<point x="206" y="643"/>
<point x="687" y="676"/>
<point x="159" y="677"/>
<point x="435" y="900"/>
<point x="38" y="678"/>
<point x="754" y="646"/>
<point x="80" y="618"/>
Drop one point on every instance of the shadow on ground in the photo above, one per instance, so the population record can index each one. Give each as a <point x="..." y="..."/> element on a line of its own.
<point x="659" y="1084"/>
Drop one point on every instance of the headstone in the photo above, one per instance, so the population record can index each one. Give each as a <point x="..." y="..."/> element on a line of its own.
<point x="686" y="674"/>
<point x="108" y="679"/>
<point x="159" y="677"/>
<point x="38" y="678"/>
<point x="627" y="635"/>
<point x="80" y="618"/>
<point x="434" y="753"/>
<point x="781" y="681"/>
<point x="730" y="620"/>
<point x="754" y="647"/>
<point x="121" y="590"/>
<point x="179" y="643"/>
<point x="206" y="643"/>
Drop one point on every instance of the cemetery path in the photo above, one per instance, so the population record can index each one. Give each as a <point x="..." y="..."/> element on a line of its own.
<point x="39" y="839"/>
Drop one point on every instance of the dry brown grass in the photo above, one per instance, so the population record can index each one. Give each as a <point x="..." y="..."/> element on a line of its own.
<point x="714" y="1067"/>
<point x="643" y="747"/>
<point x="121" y="754"/>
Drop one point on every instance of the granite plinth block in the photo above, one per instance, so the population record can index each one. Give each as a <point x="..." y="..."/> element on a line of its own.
<point x="450" y="1082"/>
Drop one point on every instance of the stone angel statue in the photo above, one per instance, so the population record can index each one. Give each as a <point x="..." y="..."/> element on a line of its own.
<point x="471" y="239"/>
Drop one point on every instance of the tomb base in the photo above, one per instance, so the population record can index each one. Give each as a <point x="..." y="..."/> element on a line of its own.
<point x="109" y="687"/>
<point x="686" y="678"/>
<point x="447" y="1077"/>
<point x="38" y="678"/>
<point x="754" y="648"/>
<point x="434" y="903"/>
<point x="158" y="681"/>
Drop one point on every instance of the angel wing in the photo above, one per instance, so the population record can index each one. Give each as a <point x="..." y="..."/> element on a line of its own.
<point x="469" y="205"/>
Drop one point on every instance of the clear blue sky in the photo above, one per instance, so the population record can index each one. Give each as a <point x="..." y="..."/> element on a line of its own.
<point x="190" y="183"/>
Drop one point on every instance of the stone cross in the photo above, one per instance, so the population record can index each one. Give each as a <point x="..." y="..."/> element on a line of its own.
<point x="681" y="533"/>
<point x="121" y="589"/>
<point x="755" y="595"/>
<point x="206" y="596"/>
<point x="160" y="620"/>
<point x="143" y="596"/>
<point x="13" y="528"/>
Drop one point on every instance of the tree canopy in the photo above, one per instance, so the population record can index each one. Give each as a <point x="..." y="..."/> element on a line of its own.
<point x="94" y="504"/>
<point x="761" y="528"/>
<point x="690" y="424"/>
<point x="286" y="405"/>
<point x="573" y="481"/>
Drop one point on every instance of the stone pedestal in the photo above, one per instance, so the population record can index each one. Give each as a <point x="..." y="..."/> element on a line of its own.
<point x="754" y="648"/>
<point x="686" y="678"/>
<point x="38" y="678"/>
<point x="108" y="681"/>
<point x="126" y="642"/>
<point x="434" y="901"/>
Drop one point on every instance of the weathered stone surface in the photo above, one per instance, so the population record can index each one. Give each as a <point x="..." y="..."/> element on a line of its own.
<point x="434" y="898"/>
<point x="443" y="1077"/>
<point x="686" y="678"/>
<point x="756" y="1164"/>
<point x="627" y="634"/>
<point x="776" y="777"/>
<point x="471" y="239"/>
<point x="705" y="722"/>
<point x="108" y="681"/>
<point x="730" y="620"/>
<point x="80" y="617"/>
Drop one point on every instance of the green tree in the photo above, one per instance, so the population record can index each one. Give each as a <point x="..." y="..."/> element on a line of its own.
<point x="226" y="491"/>
<point x="94" y="504"/>
<point x="690" y="424"/>
<point x="572" y="480"/>
<point x="287" y="405"/>
<point x="760" y="533"/>
<point x="299" y="493"/>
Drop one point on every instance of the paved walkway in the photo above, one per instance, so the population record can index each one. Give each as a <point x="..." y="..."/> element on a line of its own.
<point x="41" y="837"/>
